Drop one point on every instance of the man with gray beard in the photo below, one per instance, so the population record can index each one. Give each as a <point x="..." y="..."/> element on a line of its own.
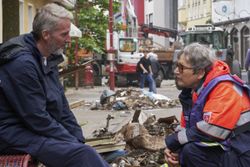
<point x="34" y="113"/>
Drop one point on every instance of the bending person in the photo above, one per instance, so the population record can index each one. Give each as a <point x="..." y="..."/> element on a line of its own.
<point x="146" y="73"/>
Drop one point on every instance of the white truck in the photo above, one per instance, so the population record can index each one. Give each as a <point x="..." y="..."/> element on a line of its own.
<point x="214" y="37"/>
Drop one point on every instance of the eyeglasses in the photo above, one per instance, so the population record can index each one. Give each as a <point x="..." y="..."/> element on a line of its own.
<point x="181" y="67"/>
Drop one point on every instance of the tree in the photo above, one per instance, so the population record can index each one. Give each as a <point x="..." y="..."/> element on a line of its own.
<point x="92" y="19"/>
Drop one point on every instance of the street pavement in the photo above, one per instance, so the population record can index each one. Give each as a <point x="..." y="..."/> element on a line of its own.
<point x="92" y="120"/>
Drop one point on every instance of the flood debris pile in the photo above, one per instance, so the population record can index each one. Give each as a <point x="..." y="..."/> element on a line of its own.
<point x="141" y="158"/>
<point x="145" y="142"/>
<point x="138" y="143"/>
<point x="131" y="98"/>
<point x="104" y="132"/>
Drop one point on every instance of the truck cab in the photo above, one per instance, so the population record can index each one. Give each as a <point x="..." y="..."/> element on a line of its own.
<point x="128" y="51"/>
<point x="127" y="56"/>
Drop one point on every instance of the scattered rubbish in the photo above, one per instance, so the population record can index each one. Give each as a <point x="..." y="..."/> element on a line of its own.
<point x="111" y="156"/>
<point x="119" y="105"/>
<point x="104" y="131"/>
<point x="76" y="104"/>
<point x="131" y="98"/>
<point x="105" y="95"/>
<point x="145" y="142"/>
<point x="140" y="142"/>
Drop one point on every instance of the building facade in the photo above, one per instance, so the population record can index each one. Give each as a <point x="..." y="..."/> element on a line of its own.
<point x="161" y="13"/>
<point x="194" y="12"/>
<point x="234" y="17"/>
<point x="16" y="16"/>
<point x="231" y="15"/>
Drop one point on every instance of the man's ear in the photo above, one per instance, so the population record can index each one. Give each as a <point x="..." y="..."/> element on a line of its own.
<point x="201" y="73"/>
<point x="45" y="35"/>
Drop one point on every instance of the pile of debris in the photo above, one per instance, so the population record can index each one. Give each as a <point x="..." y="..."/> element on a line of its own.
<point x="141" y="158"/>
<point x="145" y="142"/>
<point x="130" y="98"/>
<point x="142" y="141"/>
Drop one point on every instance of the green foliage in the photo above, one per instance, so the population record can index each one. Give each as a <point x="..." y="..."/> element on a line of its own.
<point x="70" y="51"/>
<point x="92" y="19"/>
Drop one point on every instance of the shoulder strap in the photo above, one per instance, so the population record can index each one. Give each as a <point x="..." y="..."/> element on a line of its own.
<point x="233" y="78"/>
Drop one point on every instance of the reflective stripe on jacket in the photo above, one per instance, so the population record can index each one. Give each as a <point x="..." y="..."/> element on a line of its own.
<point x="202" y="115"/>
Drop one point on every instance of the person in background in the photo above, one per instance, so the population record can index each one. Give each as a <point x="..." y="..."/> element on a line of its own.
<point x="35" y="117"/>
<point x="155" y="65"/>
<point x="247" y="65"/>
<point x="146" y="73"/>
<point x="215" y="122"/>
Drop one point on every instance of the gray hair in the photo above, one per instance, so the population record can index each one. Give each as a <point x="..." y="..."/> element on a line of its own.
<point x="199" y="56"/>
<point x="47" y="18"/>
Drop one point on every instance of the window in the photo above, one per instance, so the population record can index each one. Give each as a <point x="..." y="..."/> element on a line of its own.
<point x="30" y="17"/>
<point x="150" y="18"/>
<point x="21" y="17"/>
<point x="127" y="45"/>
<point x="147" y="19"/>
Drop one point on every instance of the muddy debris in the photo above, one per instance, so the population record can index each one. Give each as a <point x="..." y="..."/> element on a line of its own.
<point x="132" y="99"/>
<point x="144" y="142"/>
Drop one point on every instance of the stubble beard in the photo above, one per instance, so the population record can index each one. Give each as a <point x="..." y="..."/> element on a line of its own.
<point x="178" y="85"/>
<point x="54" y="49"/>
<point x="58" y="51"/>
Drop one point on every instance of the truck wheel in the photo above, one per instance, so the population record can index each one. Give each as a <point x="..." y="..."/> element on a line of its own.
<point x="159" y="79"/>
<point x="236" y="68"/>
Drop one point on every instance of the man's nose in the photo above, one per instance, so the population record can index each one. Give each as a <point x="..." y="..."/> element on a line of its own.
<point x="176" y="71"/>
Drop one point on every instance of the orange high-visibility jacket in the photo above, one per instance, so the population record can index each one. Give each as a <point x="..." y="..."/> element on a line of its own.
<point x="227" y="107"/>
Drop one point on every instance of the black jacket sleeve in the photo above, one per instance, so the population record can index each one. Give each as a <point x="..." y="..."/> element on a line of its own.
<point x="69" y="121"/>
<point x="28" y="99"/>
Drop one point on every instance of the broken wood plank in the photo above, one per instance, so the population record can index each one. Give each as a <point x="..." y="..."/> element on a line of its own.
<point x="109" y="148"/>
<point x="76" y="104"/>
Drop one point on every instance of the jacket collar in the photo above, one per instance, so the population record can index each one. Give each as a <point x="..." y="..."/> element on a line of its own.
<point x="49" y="63"/>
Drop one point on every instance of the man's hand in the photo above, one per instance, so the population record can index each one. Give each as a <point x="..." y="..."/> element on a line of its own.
<point x="171" y="158"/>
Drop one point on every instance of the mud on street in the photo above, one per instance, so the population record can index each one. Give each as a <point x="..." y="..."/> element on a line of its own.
<point x="104" y="126"/>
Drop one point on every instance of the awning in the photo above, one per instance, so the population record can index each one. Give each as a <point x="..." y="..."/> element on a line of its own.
<point x="74" y="31"/>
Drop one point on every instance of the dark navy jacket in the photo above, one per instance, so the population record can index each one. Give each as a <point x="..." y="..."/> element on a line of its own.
<point x="33" y="106"/>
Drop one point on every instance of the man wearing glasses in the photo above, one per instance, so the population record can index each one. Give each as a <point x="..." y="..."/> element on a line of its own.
<point x="215" y="123"/>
